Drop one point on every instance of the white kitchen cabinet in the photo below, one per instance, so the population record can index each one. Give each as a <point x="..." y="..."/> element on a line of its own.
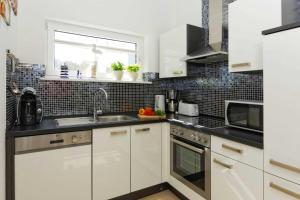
<point x="54" y="174"/>
<point x="146" y="156"/>
<point x="173" y="48"/>
<point x="247" y="19"/>
<point x="276" y="188"/>
<point x="166" y="152"/>
<point x="111" y="162"/>
<point x="237" y="151"/>
<point x="281" y="104"/>
<point x="232" y="180"/>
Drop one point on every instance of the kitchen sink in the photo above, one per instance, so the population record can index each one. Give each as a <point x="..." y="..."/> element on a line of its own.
<point x="114" y="118"/>
<point x="90" y="120"/>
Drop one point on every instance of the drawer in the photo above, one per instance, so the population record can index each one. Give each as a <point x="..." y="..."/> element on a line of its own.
<point x="237" y="151"/>
<point x="233" y="180"/>
<point x="279" y="189"/>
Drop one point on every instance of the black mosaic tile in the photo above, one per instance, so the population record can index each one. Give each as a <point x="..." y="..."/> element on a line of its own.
<point x="208" y="85"/>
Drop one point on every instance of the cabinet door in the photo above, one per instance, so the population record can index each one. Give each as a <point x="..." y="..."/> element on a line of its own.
<point x="279" y="189"/>
<point x="232" y="180"/>
<point x="173" y="48"/>
<point x="111" y="162"/>
<point x="166" y="152"/>
<point x="282" y="107"/>
<point x="54" y="174"/>
<point x="247" y="19"/>
<point x="146" y="154"/>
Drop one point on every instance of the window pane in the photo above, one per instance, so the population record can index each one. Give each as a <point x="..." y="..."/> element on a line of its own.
<point x="89" y="55"/>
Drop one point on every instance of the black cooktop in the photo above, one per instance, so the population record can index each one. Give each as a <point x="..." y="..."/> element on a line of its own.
<point x="200" y="121"/>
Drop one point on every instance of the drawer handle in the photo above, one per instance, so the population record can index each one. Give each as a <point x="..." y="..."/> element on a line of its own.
<point x="285" y="166"/>
<point x="284" y="190"/>
<point x="225" y="146"/>
<point x="142" y="130"/>
<point x="118" y="133"/>
<point x="247" y="64"/>
<point x="177" y="72"/>
<point x="223" y="164"/>
<point x="56" y="141"/>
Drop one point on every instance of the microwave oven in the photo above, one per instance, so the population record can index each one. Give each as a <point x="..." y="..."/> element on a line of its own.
<point x="247" y="115"/>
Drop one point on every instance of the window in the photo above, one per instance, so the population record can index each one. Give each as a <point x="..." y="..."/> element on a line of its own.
<point x="82" y="52"/>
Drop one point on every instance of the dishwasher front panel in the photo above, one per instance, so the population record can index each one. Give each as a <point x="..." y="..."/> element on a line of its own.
<point x="58" y="174"/>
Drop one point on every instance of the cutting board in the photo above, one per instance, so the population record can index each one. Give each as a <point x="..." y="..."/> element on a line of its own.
<point x="145" y="117"/>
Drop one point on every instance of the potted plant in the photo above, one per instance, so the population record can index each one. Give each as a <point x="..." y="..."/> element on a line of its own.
<point x="133" y="71"/>
<point x="118" y="69"/>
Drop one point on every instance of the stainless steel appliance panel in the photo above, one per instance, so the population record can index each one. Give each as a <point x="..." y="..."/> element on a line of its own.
<point x="52" y="141"/>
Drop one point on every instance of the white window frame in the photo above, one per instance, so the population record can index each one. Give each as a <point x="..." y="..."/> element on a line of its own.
<point x="53" y="26"/>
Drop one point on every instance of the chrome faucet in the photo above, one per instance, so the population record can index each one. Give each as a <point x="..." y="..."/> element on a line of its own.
<point x="99" y="112"/>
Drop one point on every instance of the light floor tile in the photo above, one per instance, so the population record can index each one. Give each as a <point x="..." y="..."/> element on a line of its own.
<point x="165" y="195"/>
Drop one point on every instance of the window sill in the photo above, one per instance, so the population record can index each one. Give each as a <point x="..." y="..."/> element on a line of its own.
<point x="55" y="78"/>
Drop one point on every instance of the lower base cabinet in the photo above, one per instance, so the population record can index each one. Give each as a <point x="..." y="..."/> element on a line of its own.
<point x="280" y="189"/>
<point x="126" y="159"/>
<point x="146" y="156"/>
<point x="233" y="180"/>
<point x="111" y="162"/>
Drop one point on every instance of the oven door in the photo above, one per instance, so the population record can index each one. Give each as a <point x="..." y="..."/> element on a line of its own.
<point x="190" y="164"/>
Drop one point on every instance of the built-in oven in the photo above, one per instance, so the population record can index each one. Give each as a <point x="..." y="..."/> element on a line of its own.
<point x="190" y="159"/>
<point x="244" y="115"/>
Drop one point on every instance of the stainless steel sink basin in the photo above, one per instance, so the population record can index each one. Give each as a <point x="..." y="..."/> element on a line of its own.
<point x="114" y="118"/>
<point x="90" y="120"/>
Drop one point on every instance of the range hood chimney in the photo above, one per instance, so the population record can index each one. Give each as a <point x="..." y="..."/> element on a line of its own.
<point x="215" y="51"/>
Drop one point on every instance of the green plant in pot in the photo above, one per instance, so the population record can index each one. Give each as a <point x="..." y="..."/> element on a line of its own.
<point x="133" y="71"/>
<point x="118" y="70"/>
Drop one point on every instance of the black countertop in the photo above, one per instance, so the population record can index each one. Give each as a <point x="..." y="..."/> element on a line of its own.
<point x="50" y="126"/>
<point x="210" y="125"/>
<point x="245" y="137"/>
<point x="281" y="28"/>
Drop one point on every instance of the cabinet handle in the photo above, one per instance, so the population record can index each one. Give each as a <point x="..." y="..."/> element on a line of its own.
<point x="285" y="166"/>
<point x="223" y="164"/>
<point x="225" y="146"/>
<point x="177" y="72"/>
<point x="118" y="133"/>
<point x="241" y="64"/>
<point x="142" y="130"/>
<point x="284" y="190"/>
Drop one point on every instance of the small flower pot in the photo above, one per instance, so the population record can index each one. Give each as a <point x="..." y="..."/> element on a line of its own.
<point x="133" y="75"/>
<point x="118" y="75"/>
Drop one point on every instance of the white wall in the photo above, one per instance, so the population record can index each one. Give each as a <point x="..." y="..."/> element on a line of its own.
<point x="7" y="41"/>
<point x="188" y="12"/>
<point x="146" y="17"/>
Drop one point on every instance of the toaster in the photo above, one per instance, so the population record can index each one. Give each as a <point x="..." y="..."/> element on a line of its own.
<point x="188" y="109"/>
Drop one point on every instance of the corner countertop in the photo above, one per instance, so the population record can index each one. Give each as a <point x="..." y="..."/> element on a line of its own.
<point x="50" y="126"/>
<point x="281" y="28"/>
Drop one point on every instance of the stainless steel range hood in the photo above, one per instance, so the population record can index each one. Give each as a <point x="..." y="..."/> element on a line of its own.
<point x="215" y="51"/>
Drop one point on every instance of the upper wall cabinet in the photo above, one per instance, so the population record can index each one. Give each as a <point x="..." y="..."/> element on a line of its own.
<point x="175" y="45"/>
<point x="247" y="19"/>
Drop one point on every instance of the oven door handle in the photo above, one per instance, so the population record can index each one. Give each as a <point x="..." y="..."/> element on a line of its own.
<point x="201" y="151"/>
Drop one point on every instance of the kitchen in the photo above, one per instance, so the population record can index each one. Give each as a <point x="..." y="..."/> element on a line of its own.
<point x="179" y="100"/>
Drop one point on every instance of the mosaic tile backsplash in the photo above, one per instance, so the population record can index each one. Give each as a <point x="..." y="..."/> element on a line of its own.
<point x="207" y="85"/>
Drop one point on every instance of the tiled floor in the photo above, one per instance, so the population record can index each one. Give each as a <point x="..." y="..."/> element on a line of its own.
<point x="165" y="195"/>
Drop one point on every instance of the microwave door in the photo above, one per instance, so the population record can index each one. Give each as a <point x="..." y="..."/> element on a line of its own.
<point x="238" y="115"/>
<point x="255" y="118"/>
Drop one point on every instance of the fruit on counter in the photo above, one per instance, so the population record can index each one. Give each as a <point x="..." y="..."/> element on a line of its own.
<point x="141" y="111"/>
<point x="149" y="112"/>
